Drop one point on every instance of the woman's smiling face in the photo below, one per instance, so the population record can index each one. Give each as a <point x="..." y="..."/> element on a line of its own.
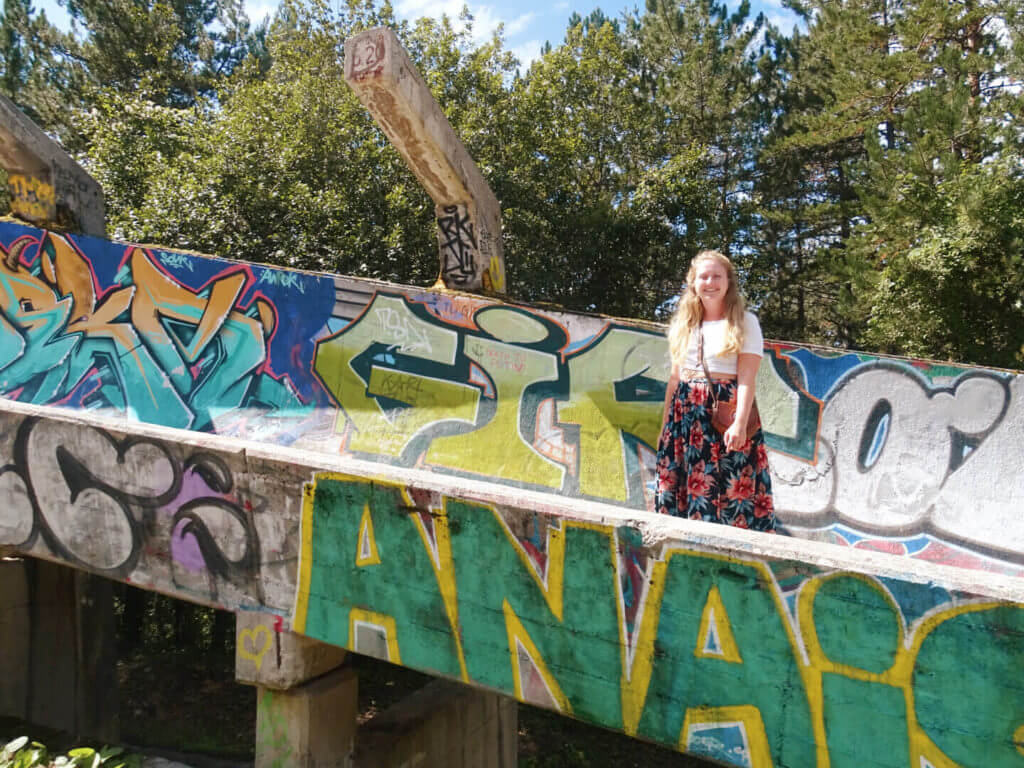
<point x="711" y="282"/>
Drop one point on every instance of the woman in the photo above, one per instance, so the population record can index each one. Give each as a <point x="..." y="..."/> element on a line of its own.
<point x="704" y="474"/>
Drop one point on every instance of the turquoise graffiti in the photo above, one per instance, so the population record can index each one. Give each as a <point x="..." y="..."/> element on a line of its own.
<point x="148" y="345"/>
<point x="753" y="663"/>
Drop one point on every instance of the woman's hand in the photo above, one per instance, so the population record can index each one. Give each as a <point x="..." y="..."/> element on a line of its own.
<point x="735" y="436"/>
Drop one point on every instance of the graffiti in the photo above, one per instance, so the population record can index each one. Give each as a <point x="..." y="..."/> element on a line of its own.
<point x="367" y="56"/>
<point x="900" y="456"/>
<point x="458" y="245"/>
<point x="903" y="452"/>
<point x="105" y="503"/>
<point x="253" y="644"/>
<point x="417" y="391"/>
<point x="149" y="345"/>
<point x="750" y="662"/>
<point x="32" y="198"/>
<point x="272" y="734"/>
<point x="284" y="279"/>
<point x="175" y="260"/>
<point x="866" y="452"/>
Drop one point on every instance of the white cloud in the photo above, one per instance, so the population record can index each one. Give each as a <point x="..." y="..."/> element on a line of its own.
<point x="486" y="18"/>
<point x="435" y="8"/>
<point x="527" y="52"/>
<point x="258" y="10"/>
<point x="519" y="23"/>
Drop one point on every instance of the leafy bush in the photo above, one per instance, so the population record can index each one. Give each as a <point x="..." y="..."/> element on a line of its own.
<point x="21" y="753"/>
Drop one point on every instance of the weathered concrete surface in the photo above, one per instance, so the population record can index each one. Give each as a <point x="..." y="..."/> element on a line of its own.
<point x="46" y="185"/>
<point x="468" y="214"/>
<point x="721" y="642"/>
<point x="312" y="726"/>
<point x="268" y="655"/>
<point x="210" y="525"/>
<point x="904" y="456"/>
<point x="442" y="724"/>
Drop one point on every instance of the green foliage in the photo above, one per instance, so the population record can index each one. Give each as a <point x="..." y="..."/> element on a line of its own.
<point x="21" y="753"/>
<point x="890" y="114"/>
<point x="33" y="72"/>
<point x="594" y="195"/>
<point x="284" y="169"/>
<point x="701" y="72"/>
<point x="170" y="52"/>
<point x="862" y="171"/>
<point x="957" y="292"/>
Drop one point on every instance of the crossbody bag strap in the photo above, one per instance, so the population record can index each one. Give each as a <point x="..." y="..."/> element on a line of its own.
<point x="704" y="365"/>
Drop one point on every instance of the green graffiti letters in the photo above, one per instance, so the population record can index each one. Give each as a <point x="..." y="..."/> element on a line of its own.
<point x="718" y="659"/>
<point x="390" y="592"/>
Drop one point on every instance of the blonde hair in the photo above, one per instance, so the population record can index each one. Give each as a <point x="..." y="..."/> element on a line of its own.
<point x="690" y="312"/>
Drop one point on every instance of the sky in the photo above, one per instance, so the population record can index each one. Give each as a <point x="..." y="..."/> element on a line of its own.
<point x="528" y="24"/>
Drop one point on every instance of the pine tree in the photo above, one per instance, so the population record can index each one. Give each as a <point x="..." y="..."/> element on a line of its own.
<point x="703" y="76"/>
<point x="908" y="98"/>
<point x="32" y="72"/>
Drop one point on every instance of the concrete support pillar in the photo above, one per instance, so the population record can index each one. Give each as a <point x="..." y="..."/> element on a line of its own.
<point x="59" y="648"/>
<point x="468" y="214"/>
<point x="310" y="726"/>
<point x="306" y="703"/>
<point x="306" y="707"/>
<point x="443" y="723"/>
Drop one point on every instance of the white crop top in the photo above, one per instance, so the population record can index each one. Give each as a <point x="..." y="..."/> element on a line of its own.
<point x="714" y="340"/>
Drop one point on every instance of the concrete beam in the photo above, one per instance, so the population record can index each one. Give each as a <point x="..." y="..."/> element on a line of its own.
<point x="46" y="185"/>
<point x="896" y="455"/>
<point x="676" y="631"/>
<point x="468" y="214"/>
<point x="270" y="656"/>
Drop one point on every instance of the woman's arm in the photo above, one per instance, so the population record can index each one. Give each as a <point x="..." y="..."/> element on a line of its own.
<point x="670" y="390"/>
<point x="746" y="382"/>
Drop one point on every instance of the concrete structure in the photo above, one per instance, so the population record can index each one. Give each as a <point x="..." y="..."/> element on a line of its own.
<point x="313" y="725"/>
<point x="468" y="214"/>
<point x="909" y="457"/>
<point x="46" y="186"/>
<point x="459" y="485"/>
<point x="745" y="647"/>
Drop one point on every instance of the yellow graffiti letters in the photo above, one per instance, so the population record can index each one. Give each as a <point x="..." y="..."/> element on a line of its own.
<point x="489" y="449"/>
<point x="598" y="375"/>
<point x="32" y="198"/>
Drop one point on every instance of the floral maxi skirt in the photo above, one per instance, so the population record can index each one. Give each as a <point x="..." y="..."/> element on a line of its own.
<point x="698" y="478"/>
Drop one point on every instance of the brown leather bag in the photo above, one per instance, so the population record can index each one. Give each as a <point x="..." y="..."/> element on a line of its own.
<point x="723" y="413"/>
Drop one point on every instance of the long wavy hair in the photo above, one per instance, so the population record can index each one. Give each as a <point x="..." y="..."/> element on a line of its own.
<point x="690" y="312"/>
